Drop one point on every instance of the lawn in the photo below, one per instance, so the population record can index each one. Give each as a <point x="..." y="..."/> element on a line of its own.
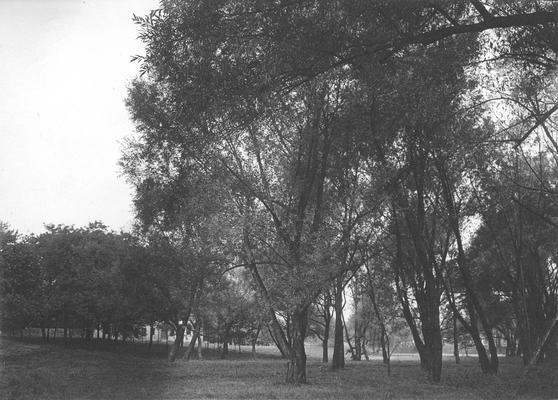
<point x="30" y="370"/>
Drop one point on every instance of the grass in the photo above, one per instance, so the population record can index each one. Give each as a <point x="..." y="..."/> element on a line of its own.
<point x="30" y="370"/>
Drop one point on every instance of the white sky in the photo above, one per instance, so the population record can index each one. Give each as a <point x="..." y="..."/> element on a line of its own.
<point x="64" y="68"/>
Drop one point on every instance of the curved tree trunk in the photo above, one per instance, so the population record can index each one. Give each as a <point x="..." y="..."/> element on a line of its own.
<point x="338" y="361"/>
<point x="175" y="348"/>
<point x="473" y="303"/>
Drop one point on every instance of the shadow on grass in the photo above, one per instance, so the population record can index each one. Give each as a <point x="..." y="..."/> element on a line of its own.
<point x="142" y="349"/>
<point x="31" y="370"/>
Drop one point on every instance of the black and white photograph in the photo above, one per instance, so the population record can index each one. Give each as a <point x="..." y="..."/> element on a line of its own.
<point x="278" y="199"/>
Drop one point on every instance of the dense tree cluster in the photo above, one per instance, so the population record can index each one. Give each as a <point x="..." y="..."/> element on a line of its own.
<point x="385" y="145"/>
<point x="68" y="278"/>
<point x="100" y="284"/>
<point x="400" y="154"/>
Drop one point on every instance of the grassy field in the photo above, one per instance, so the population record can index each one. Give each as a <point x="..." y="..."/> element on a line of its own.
<point x="30" y="370"/>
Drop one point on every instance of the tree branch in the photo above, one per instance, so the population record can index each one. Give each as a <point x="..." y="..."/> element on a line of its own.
<point x="540" y="120"/>
<point x="530" y="19"/>
<point x="482" y="10"/>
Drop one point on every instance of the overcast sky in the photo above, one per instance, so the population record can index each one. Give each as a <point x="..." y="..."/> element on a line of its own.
<point x="64" y="67"/>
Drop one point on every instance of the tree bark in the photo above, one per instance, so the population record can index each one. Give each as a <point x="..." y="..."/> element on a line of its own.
<point x="379" y="317"/>
<point x="192" y="344"/>
<point x="225" y="351"/>
<point x="351" y="348"/>
<point x="431" y="332"/>
<point x="473" y="302"/>
<point x="338" y="361"/>
<point x="296" y="371"/>
<point x="200" y="341"/>
<point x="325" y="343"/>
<point x="273" y="325"/>
<point x="151" y="334"/>
<point x="175" y="348"/>
<point x="455" y="340"/>
<point x="255" y="340"/>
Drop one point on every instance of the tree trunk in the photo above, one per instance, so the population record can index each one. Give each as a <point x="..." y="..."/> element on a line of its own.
<point x="151" y="333"/>
<point x="254" y="341"/>
<point x="385" y="352"/>
<point x="455" y="340"/>
<point x="430" y="318"/>
<point x="379" y="317"/>
<point x="357" y="356"/>
<point x="296" y="371"/>
<point x="274" y="327"/>
<point x="472" y="299"/>
<point x="338" y="361"/>
<point x="200" y="341"/>
<point x="192" y="344"/>
<point x="433" y="342"/>
<point x="544" y="340"/>
<point x="327" y="326"/>
<point x="88" y="333"/>
<point x="175" y="348"/>
<point x="365" y="352"/>
<point x="401" y="290"/>
<point x="225" y="352"/>
<point x="511" y="346"/>
<point x="484" y="362"/>
<point x="325" y="343"/>
<point x="351" y="348"/>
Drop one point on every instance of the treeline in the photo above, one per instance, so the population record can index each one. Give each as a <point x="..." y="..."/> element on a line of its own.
<point x="68" y="278"/>
<point x="111" y="285"/>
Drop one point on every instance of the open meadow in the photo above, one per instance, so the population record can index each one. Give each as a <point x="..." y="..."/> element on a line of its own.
<point x="31" y="370"/>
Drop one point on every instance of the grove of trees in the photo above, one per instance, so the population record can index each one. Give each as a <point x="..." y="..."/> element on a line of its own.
<point x="297" y="162"/>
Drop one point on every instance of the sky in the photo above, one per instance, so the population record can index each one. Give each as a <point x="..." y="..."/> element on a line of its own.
<point x="64" y="69"/>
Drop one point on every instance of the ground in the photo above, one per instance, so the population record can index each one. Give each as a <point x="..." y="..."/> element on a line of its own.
<point x="31" y="370"/>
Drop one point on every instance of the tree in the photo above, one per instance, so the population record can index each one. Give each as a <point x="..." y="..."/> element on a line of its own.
<point x="321" y="315"/>
<point x="280" y="103"/>
<point x="514" y="251"/>
<point x="19" y="280"/>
